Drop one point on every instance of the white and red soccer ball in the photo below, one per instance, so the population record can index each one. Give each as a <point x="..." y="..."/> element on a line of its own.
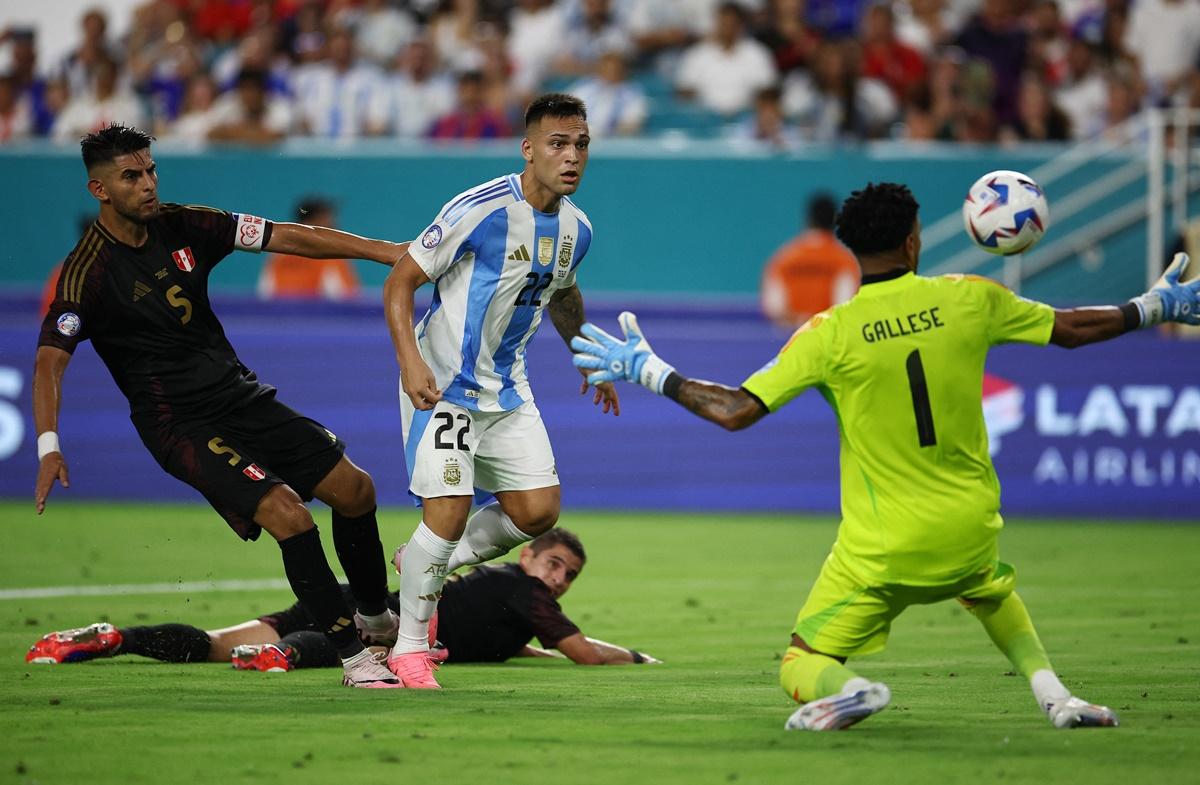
<point x="1006" y="213"/>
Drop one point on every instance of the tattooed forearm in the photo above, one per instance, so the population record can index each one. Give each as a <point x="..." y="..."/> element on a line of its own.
<point x="731" y="408"/>
<point x="566" y="311"/>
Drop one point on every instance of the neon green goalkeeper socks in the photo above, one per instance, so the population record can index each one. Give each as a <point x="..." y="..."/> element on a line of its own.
<point x="1010" y="628"/>
<point x="807" y="676"/>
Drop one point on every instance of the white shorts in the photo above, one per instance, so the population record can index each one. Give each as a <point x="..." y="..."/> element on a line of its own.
<point x="451" y="450"/>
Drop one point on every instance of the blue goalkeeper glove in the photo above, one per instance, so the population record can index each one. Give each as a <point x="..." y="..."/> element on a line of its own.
<point x="611" y="358"/>
<point x="1169" y="300"/>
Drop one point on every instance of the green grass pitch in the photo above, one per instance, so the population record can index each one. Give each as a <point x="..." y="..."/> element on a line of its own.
<point x="712" y="595"/>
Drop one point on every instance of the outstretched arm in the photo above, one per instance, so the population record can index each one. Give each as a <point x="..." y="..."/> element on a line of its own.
<point x="417" y="379"/>
<point x="320" y="242"/>
<point x="1169" y="300"/>
<point x="605" y="358"/>
<point x="566" y="312"/>
<point x="48" y="370"/>
<point x="588" y="651"/>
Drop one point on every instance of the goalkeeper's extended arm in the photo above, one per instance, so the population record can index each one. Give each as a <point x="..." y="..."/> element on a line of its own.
<point x="1167" y="301"/>
<point x="610" y="359"/>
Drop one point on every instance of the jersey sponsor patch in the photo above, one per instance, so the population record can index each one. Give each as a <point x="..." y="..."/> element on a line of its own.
<point x="253" y="472"/>
<point x="249" y="232"/>
<point x="184" y="259"/>
<point x="432" y="237"/>
<point x="69" y="324"/>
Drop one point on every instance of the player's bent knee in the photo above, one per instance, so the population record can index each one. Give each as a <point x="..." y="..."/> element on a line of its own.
<point x="282" y="514"/>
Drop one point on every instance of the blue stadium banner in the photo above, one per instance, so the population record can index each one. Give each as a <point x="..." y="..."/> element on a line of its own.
<point x="1109" y="431"/>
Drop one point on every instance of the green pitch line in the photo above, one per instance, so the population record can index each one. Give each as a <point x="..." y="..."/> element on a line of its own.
<point x="713" y="595"/>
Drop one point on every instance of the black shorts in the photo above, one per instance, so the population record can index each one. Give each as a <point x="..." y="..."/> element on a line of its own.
<point x="295" y="619"/>
<point x="235" y="459"/>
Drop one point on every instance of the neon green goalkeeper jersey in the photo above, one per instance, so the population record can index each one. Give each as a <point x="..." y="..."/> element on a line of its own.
<point x="902" y="366"/>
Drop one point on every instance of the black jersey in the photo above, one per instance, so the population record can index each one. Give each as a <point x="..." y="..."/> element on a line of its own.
<point x="147" y="312"/>
<point x="489" y="614"/>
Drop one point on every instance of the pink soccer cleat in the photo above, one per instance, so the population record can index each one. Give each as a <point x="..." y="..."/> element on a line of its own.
<point x="415" y="670"/>
<point x="84" y="643"/>
<point x="265" y="657"/>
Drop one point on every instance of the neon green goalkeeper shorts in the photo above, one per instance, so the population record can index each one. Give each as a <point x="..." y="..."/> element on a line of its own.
<point x="844" y="618"/>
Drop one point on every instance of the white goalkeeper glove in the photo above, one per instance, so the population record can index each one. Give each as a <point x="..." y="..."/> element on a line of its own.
<point x="1169" y="300"/>
<point x="611" y="358"/>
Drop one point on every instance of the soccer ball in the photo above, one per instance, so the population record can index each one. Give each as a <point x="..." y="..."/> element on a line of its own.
<point x="1006" y="213"/>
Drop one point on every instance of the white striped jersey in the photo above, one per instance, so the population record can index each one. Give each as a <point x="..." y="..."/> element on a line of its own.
<point x="495" y="262"/>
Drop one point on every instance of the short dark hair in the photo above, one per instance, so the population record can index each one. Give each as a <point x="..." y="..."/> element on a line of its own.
<point x="554" y="105"/>
<point x="310" y="205"/>
<point x="559" y="536"/>
<point x="102" y="146"/>
<point x="878" y="218"/>
<point x="822" y="211"/>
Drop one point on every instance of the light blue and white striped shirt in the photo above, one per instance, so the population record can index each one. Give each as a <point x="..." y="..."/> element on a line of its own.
<point x="495" y="262"/>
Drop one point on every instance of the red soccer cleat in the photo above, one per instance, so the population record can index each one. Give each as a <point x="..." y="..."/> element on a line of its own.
<point x="265" y="657"/>
<point x="84" y="643"/>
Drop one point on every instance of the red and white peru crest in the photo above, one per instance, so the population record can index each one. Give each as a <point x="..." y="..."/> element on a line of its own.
<point x="253" y="472"/>
<point x="184" y="259"/>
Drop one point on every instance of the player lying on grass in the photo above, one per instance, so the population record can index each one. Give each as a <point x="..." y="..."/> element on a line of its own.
<point x="902" y="365"/>
<point x="488" y="615"/>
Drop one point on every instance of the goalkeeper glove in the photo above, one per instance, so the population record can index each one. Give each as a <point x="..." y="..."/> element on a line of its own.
<point x="1169" y="300"/>
<point x="611" y="358"/>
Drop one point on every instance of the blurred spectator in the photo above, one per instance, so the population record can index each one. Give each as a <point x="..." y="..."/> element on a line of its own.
<point x="767" y="125"/>
<point x="1082" y="93"/>
<point x="471" y="118"/>
<point x="199" y="115"/>
<point x="419" y="93"/>
<point x="596" y="33"/>
<point x="811" y="273"/>
<point x="1038" y="118"/>
<point x="1124" y="101"/>
<point x="1111" y="50"/>
<point x="340" y="97"/>
<point x="260" y="50"/>
<point x="452" y="31"/>
<point x="1048" y="43"/>
<point x="79" y="65"/>
<point x="32" y="88"/>
<point x="885" y="57"/>
<point x="996" y="36"/>
<point x="297" y="277"/>
<point x="16" y="120"/>
<point x="381" y="30"/>
<point x="108" y="103"/>
<point x="835" y="19"/>
<point x="791" y="41"/>
<point x="304" y="32"/>
<point x="833" y="102"/>
<point x="537" y="27"/>
<point x="247" y="114"/>
<point x="221" y="21"/>
<point x="925" y="25"/>
<point x="726" y="71"/>
<point x="660" y="29"/>
<point x="615" y="105"/>
<point x="1164" y="35"/>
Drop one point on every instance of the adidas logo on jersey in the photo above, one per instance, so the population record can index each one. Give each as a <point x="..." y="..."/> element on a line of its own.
<point x="140" y="290"/>
<point x="520" y="255"/>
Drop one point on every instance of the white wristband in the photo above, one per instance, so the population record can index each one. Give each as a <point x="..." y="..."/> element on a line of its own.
<point x="47" y="443"/>
<point x="654" y="373"/>
<point x="1150" y="306"/>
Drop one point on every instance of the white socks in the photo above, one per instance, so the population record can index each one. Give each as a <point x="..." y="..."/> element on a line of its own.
<point x="489" y="533"/>
<point x="423" y="571"/>
<point x="1048" y="689"/>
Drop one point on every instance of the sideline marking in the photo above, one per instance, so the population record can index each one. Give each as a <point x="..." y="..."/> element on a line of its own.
<point x="115" y="589"/>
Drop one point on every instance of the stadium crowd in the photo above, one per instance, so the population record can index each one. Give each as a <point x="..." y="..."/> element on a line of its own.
<point x="785" y="72"/>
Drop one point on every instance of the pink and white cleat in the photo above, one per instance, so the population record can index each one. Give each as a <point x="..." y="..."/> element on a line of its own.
<point x="265" y="657"/>
<point x="1078" y="713"/>
<point x="83" y="643"/>
<point x="415" y="670"/>
<point x="366" y="669"/>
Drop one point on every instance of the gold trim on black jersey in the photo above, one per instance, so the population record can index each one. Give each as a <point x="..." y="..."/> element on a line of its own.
<point x="75" y="272"/>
